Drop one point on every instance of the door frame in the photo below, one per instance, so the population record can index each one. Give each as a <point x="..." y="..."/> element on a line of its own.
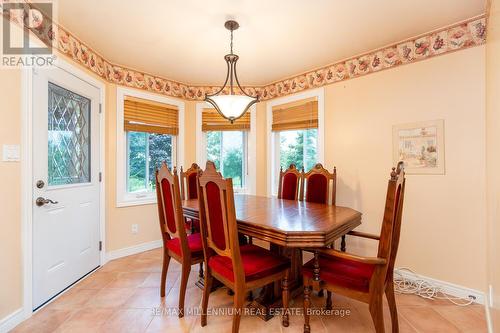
<point x="27" y="172"/>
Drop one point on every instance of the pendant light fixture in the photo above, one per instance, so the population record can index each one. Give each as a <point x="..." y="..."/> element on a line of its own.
<point x="231" y="106"/>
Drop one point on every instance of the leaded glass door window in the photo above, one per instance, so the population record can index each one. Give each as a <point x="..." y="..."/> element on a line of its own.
<point x="68" y="137"/>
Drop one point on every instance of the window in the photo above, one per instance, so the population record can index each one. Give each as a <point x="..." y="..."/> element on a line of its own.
<point x="232" y="147"/>
<point x="148" y="133"/>
<point x="145" y="152"/>
<point x="298" y="147"/>
<point x="227" y="149"/>
<point x="295" y="126"/>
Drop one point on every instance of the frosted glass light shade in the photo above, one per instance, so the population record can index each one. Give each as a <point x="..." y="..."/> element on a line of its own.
<point x="232" y="106"/>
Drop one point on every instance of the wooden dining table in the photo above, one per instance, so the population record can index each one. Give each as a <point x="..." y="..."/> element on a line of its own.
<point x="289" y="226"/>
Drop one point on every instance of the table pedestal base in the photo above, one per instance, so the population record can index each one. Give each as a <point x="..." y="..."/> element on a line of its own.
<point x="269" y="298"/>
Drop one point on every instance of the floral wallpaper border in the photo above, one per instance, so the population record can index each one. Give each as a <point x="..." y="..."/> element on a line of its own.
<point x="462" y="35"/>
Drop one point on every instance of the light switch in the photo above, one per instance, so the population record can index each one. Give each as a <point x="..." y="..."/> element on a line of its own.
<point x="11" y="153"/>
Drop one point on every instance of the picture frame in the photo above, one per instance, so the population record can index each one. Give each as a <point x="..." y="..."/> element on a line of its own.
<point x="420" y="145"/>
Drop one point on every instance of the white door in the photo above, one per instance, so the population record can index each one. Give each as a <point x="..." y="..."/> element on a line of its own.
<point x="65" y="181"/>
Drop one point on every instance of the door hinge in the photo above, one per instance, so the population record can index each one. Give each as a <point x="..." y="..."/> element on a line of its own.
<point x="100" y="245"/>
<point x="100" y="177"/>
<point x="100" y="107"/>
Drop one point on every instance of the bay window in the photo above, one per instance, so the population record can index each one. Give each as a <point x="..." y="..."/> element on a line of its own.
<point x="145" y="152"/>
<point x="298" y="147"/>
<point x="227" y="145"/>
<point x="147" y="134"/>
<point x="295" y="134"/>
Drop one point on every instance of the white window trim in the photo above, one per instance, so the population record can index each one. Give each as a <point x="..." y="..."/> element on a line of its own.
<point x="272" y="167"/>
<point x="201" y="146"/>
<point x="124" y="198"/>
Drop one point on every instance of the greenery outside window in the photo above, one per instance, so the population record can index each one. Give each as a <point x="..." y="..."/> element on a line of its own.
<point x="298" y="147"/>
<point x="296" y="134"/>
<point x="228" y="150"/>
<point x="145" y="152"/>
<point x="149" y="131"/>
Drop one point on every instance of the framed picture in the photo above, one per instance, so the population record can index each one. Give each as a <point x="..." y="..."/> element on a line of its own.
<point x="420" y="146"/>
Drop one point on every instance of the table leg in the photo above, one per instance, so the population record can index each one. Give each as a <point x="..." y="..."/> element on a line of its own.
<point x="342" y="244"/>
<point x="270" y="296"/>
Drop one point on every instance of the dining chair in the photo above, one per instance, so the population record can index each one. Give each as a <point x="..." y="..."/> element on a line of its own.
<point x="189" y="190"/>
<point x="319" y="185"/>
<point x="289" y="182"/>
<point x="240" y="268"/>
<point x="186" y="249"/>
<point x="316" y="187"/>
<point x="365" y="279"/>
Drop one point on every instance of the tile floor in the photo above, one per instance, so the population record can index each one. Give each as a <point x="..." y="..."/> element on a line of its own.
<point x="121" y="296"/>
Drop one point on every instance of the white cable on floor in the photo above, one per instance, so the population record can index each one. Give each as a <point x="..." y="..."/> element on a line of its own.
<point x="422" y="288"/>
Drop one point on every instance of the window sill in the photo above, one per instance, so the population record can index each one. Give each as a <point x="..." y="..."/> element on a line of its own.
<point x="136" y="200"/>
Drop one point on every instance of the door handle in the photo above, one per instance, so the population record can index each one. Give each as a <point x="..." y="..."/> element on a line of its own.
<point x="42" y="201"/>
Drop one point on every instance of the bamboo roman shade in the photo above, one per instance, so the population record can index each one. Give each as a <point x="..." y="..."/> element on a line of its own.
<point x="297" y="115"/>
<point x="213" y="121"/>
<point x="141" y="115"/>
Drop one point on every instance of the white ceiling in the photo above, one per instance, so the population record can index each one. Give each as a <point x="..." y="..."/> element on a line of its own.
<point x="185" y="40"/>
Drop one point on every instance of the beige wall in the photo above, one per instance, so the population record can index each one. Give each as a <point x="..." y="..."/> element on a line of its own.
<point x="493" y="156"/>
<point x="119" y="220"/>
<point x="261" y="156"/>
<point x="10" y="195"/>
<point x="443" y="232"/>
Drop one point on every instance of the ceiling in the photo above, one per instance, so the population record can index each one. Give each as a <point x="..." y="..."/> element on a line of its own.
<point x="185" y="40"/>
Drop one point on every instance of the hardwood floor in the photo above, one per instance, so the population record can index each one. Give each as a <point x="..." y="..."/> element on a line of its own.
<point x="121" y="296"/>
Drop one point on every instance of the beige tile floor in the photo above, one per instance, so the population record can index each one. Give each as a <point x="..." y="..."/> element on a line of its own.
<point x="121" y="296"/>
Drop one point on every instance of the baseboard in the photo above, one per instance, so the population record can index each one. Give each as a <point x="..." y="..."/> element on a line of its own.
<point x="447" y="287"/>
<point x="128" y="251"/>
<point x="9" y="322"/>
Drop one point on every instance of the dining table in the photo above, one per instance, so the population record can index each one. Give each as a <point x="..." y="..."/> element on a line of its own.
<point x="289" y="226"/>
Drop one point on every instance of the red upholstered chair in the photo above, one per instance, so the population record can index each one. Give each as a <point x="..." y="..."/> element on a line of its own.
<point x="240" y="268"/>
<point x="365" y="279"/>
<point x="189" y="190"/>
<point x="289" y="182"/>
<point x="320" y="186"/>
<point x="316" y="185"/>
<point x="187" y="250"/>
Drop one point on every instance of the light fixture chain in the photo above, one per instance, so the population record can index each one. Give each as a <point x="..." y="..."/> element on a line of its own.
<point x="231" y="41"/>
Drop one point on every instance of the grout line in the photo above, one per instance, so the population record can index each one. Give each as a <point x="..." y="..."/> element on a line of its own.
<point x="408" y="322"/>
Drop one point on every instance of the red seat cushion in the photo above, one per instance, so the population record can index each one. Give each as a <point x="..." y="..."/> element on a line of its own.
<point x="316" y="189"/>
<point x="289" y="186"/>
<point x="342" y="272"/>
<point x="257" y="263"/>
<point x="194" y="244"/>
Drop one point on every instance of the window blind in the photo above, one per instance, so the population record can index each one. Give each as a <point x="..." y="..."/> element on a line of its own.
<point x="297" y="115"/>
<point x="213" y="121"/>
<point x="142" y="115"/>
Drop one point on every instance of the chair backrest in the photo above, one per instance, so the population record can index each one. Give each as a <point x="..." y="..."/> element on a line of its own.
<point x="318" y="185"/>
<point x="189" y="188"/>
<point x="391" y="225"/>
<point x="218" y="218"/>
<point x="289" y="182"/>
<point x="170" y="207"/>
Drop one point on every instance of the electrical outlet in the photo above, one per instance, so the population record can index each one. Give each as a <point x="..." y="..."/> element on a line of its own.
<point x="11" y="153"/>
<point x="135" y="228"/>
